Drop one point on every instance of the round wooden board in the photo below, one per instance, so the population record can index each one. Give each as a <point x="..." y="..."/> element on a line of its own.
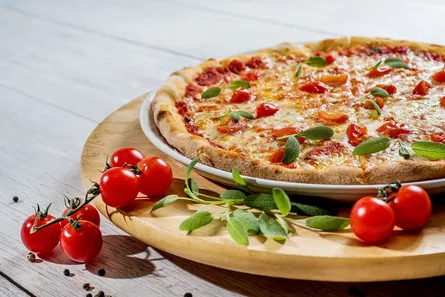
<point x="306" y="255"/>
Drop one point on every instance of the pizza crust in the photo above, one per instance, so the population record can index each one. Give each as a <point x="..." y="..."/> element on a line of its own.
<point x="171" y="126"/>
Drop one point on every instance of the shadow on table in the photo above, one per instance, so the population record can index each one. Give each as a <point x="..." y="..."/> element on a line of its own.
<point x="123" y="256"/>
<point x="252" y="285"/>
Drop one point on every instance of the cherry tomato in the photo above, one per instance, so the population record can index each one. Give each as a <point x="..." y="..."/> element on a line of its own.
<point x="378" y="100"/>
<point x="439" y="76"/>
<point x="442" y="101"/>
<point x="393" y="129"/>
<point x="334" y="79"/>
<point x="412" y="206"/>
<point x="119" y="186"/>
<point x="288" y="131"/>
<point x="379" y="71"/>
<point x="354" y="133"/>
<point x="156" y="177"/>
<point x="391" y="89"/>
<point x="236" y="66"/>
<point x="124" y="155"/>
<point x="228" y="125"/>
<point x="266" y="109"/>
<point x="82" y="242"/>
<point x="330" y="59"/>
<point x="277" y="156"/>
<point x="314" y="87"/>
<point x="251" y="75"/>
<point x="372" y="220"/>
<point x="42" y="241"/>
<point x="333" y="117"/>
<point x="422" y="88"/>
<point x="240" y="96"/>
<point x="438" y="137"/>
<point x="86" y="213"/>
<point x="256" y="62"/>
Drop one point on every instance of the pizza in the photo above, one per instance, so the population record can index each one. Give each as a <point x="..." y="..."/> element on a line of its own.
<point x="340" y="111"/>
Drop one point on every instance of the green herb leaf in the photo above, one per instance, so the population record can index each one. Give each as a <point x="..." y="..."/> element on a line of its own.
<point x="316" y="61"/>
<point x="248" y="220"/>
<point x="404" y="150"/>
<point x="224" y="115"/>
<point x="210" y="93"/>
<point x="376" y="65"/>
<point x="237" y="231"/>
<point x="189" y="170"/>
<point x="299" y="71"/>
<point x="245" y="114"/>
<point x="235" y="116"/>
<point x="281" y="200"/>
<point x="197" y="220"/>
<point x="327" y="223"/>
<point x="239" y="84"/>
<point x="395" y="63"/>
<point x="233" y="196"/>
<point x="431" y="150"/>
<point x="379" y="92"/>
<point x="376" y="106"/>
<point x="192" y="186"/>
<point x="239" y="180"/>
<point x="372" y="146"/>
<point x="284" y="224"/>
<point x="317" y="133"/>
<point x="261" y="201"/>
<point x="165" y="201"/>
<point x="313" y="209"/>
<point x="291" y="150"/>
<point x="270" y="228"/>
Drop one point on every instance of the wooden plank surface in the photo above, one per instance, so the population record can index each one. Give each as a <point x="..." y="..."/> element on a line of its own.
<point x="65" y="65"/>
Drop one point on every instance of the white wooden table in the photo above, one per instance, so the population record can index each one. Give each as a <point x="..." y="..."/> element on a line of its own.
<point x="65" y="65"/>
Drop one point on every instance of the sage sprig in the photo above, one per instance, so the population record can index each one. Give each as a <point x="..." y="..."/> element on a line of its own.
<point x="372" y="146"/>
<point x="376" y="106"/>
<point x="396" y="63"/>
<point x="316" y="61"/>
<point x="236" y="115"/>
<point x="379" y="92"/>
<point x="431" y="150"/>
<point x="299" y="71"/>
<point x="239" y="84"/>
<point x="211" y="92"/>
<point x="314" y="133"/>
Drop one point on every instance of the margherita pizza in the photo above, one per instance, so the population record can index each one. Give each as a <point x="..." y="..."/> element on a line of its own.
<point x="341" y="111"/>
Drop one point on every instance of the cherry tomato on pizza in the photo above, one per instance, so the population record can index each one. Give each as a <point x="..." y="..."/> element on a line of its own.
<point x="314" y="87"/>
<point x="240" y="96"/>
<point x="266" y="109"/>
<point x="332" y="117"/>
<point x="379" y="71"/>
<point x="422" y="88"/>
<point x="439" y="77"/>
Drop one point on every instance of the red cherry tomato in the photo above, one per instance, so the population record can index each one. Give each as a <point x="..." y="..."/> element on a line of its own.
<point x="355" y="133"/>
<point x="379" y="71"/>
<point x="81" y="243"/>
<point x="438" y="137"/>
<point x="372" y="220"/>
<point x="87" y="213"/>
<point x="277" y="156"/>
<point x="368" y="104"/>
<point x="288" y="131"/>
<point x="393" y="129"/>
<point x="119" y="186"/>
<point x="156" y="176"/>
<point x="412" y="206"/>
<point x="330" y="59"/>
<point x="42" y="241"/>
<point x="442" y="101"/>
<point x="391" y="89"/>
<point x="266" y="109"/>
<point x="333" y="117"/>
<point x="439" y="76"/>
<point x="124" y="155"/>
<point x="236" y="66"/>
<point x="422" y="88"/>
<point x="314" y="87"/>
<point x="251" y="75"/>
<point x="240" y="96"/>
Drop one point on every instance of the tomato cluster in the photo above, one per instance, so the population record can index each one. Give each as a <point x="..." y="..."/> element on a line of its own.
<point x="128" y="174"/>
<point x="373" y="219"/>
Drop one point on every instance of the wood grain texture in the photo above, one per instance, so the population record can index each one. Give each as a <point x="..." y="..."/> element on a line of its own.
<point x="309" y="255"/>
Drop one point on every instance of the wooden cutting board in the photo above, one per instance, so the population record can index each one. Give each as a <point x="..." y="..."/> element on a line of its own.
<point x="306" y="255"/>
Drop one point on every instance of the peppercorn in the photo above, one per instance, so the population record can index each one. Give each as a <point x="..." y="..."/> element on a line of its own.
<point x="89" y="295"/>
<point x="86" y="286"/>
<point x="101" y="272"/>
<point x="188" y="295"/>
<point x="100" y="294"/>
<point x="31" y="257"/>
<point x="66" y="272"/>
<point x="15" y="199"/>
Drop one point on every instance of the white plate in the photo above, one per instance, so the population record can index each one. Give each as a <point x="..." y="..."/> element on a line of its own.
<point x="344" y="193"/>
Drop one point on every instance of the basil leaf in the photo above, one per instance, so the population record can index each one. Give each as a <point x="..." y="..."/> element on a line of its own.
<point x="376" y="65"/>
<point x="237" y="231"/>
<point x="235" y="116"/>
<point x="432" y="150"/>
<point x="239" y="84"/>
<point x="192" y="186"/>
<point x="248" y="220"/>
<point x="239" y="180"/>
<point x="245" y="114"/>
<point x="404" y="150"/>
<point x="313" y="209"/>
<point x="327" y="223"/>
<point x="210" y="93"/>
<point x="291" y="150"/>
<point x="299" y="71"/>
<point x="395" y="63"/>
<point x="316" y="61"/>
<point x="317" y="133"/>
<point x="189" y="170"/>
<point x="197" y="220"/>
<point x="372" y="146"/>
<point x="379" y="92"/>
<point x="165" y="201"/>
<point x="233" y="196"/>
<point x="260" y="201"/>
<point x="270" y="228"/>
<point x="281" y="200"/>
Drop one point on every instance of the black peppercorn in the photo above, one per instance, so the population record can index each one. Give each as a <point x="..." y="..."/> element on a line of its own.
<point x="101" y="272"/>
<point x="15" y="199"/>
<point x="89" y="295"/>
<point x="188" y="295"/>
<point x="86" y="286"/>
<point x="66" y="272"/>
